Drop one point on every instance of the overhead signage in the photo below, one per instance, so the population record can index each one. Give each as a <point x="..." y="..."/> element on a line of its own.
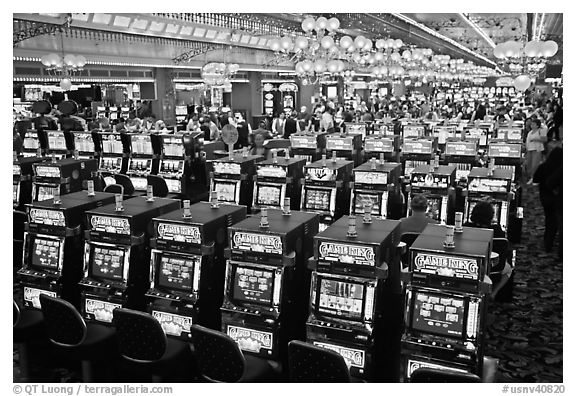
<point x="449" y="266"/>
<point x="505" y="150"/>
<point x="179" y="233"/>
<point x="488" y="185"/>
<point x="251" y="340"/>
<point x="461" y="148"/>
<point x="173" y="324"/>
<point x="47" y="217"/>
<point x="276" y="171"/>
<point x="229" y="168"/>
<point x="111" y="225"/>
<point x="381" y="145"/>
<point x="417" y="147"/>
<point x="371" y="177"/>
<point x="258" y="243"/>
<point x="352" y="357"/>
<point x="346" y="254"/>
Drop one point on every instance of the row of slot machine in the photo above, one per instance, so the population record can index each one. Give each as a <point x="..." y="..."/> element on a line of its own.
<point x="264" y="280"/>
<point x="176" y="158"/>
<point x="333" y="187"/>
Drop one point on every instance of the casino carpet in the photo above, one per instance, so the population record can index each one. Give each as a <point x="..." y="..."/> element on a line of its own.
<point x="524" y="335"/>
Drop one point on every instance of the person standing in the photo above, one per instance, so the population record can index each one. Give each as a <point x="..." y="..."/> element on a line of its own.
<point x="291" y="125"/>
<point x="279" y="124"/>
<point x="534" y="147"/>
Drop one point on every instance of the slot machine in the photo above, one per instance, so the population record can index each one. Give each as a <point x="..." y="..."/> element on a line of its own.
<point x="31" y="143"/>
<point x="113" y="149"/>
<point x="442" y="133"/>
<point x="308" y="145"/>
<point x="326" y="189"/>
<point x="52" y="255"/>
<point x="22" y="174"/>
<point x="413" y="131"/>
<point x="181" y="113"/>
<point x="55" y="144"/>
<point x="175" y="162"/>
<point x="416" y="152"/>
<point x="277" y="179"/>
<point x="510" y="134"/>
<point x="60" y="177"/>
<point x="83" y="144"/>
<point x="346" y="146"/>
<point x="495" y="188"/>
<point x="125" y="112"/>
<point x="445" y="303"/>
<point x="187" y="266"/>
<point x="461" y="154"/>
<point x="232" y="178"/>
<point x="355" y="295"/>
<point x="507" y="155"/>
<point x="143" y="159"/>
<point x="389" y="146"/>
<point x="356" y="128"/>
<point x="116" y="255"/>
<point x="113" y="112"/>
<point x="379" y="183"/>
<point x="437" y="183"/>
<point x="473" y="132"/>
<point x="101" y="112"/>
<point x="384" y="128"/>
<point x="264" y="305"/>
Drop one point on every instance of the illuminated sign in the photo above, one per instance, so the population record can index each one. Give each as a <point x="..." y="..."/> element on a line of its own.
<point x="229" y="168"/>
<point x="32" y="296"/>
<point x="338" y="143"/>
<point x="378" y="145"/>
<point x="271" y="171"/>
<point x="102" y="310"/>
<point x="488" y="185"/>
<point x="179" y="233"/>
<point x="47" y="217"/>
<point x="260" y="243"/>
<point x="251" y="340"/>
<point x="505" y="150"/>
<point x="371" y="177"/>
<point x="48" y="171"/>
<point x="461" y="148"/>
<point x="320" y="174"/>
<point x="353" y="357"/>
<point x="302" y="141"/>
<point x="455" y="267"/>
<point x="111" y="225"/>
<point x="429" y="180"/>
<point x="173" y="324"/>
<point x="348" y="254"/>
<point x="417" y="147"/>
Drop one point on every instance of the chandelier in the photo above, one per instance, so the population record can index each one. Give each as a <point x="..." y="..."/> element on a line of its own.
<point x="218" y="75"/>
<point x="525" y="60"/>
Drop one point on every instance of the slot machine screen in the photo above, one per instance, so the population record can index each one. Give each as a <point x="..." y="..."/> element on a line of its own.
<point x="31" y="141"/>
<point x="253" y="285"/>
<point x="360" y="198"/>
<point x="112" y="144"/>
<point x="341" y="299"/>
<point x="317" y="199"/>
<point x="111" y="163"/>
<point x="107" y="263"/>
<point x="84" y="143"/>
<point x="176" y="272"/>
<point x="172" y="166"/>
<point x="226" y="192"/>
<point x="438" y="314"/>
<point x="45" y="192"/>
<point x="141" y="144"/>
<point x="56" y="140"/>
<point x="268" y="195"/>
<point x="45" y="253"/>
<point x="173" y="147"/>
<point x="497" y="206"/>
<point x="434" y="208"/>
<point x="140" y="165"/>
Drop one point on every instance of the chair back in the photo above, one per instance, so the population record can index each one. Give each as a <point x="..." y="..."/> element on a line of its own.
<point x="64" y="325"/>
<point x="408" y="238"/>
<point x="159" y="186"/>
<point x="311" y="363"/>
<point x="114" y="188"/>
<point x="140" y="336"/>
<point x="426" y="374"/>
<point x="219" y="357"/>
<point x="125" y="182"/>
<point x="500" y="246"/>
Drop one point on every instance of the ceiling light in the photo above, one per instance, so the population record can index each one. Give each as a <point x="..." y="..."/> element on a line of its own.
<point x="102" y="18"/>
<point x="122" y="21"/>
